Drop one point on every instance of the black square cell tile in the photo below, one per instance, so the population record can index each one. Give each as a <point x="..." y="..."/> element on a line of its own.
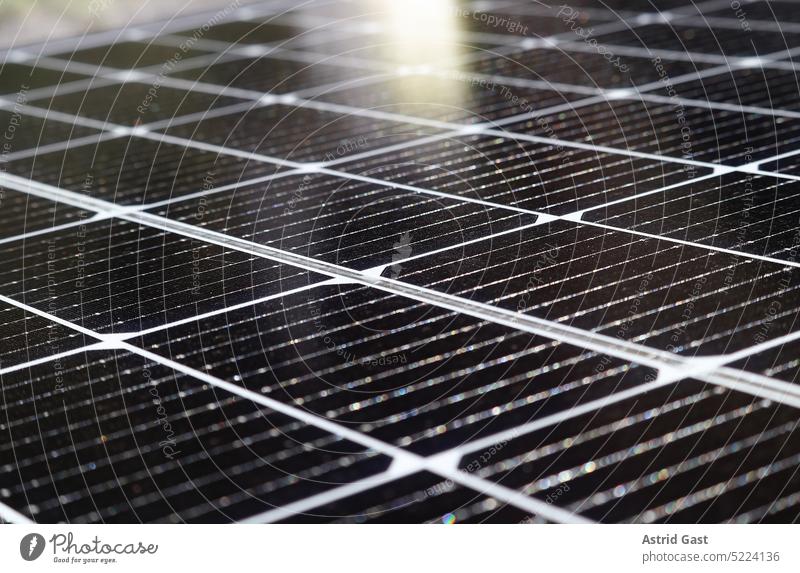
<point x="789" y="165"/>
<point x="673" y="297"/>
<point x="299" y="133"/>
<point x="348" y="222"/>
<point x="781" y="362"/>
<point x="758" y="87"/>
<point x="20" y="78"/>
<point x="418" y="498"/>
<point x="21" y="132"/>
<point x="589" y="69"/>
<point x="774" y="11"/>
<point x="248" y="32"/>
<point x="135" y="103"/>
<point x="272" y="75"/>
<point x="135" y="171"/>
<point x="451" y="96"/>
<point x="685" y="453"/>
<point x="131" y="55"/>
<point x="22" y="213"/>
<point x="702" y="39"/>
<point x="418" y="376"/>
<point x="672" y="130"/>
<point x="740" y="211"/>
<point x="517" y="173"/>
<point x="116" y="276"/>
<point x="27" y="336"/>
<point x="112" y="438"/>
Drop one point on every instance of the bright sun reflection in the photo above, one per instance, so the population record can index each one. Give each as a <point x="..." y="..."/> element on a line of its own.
<point x="416" y="30"/>
<point x="418" y="35"/>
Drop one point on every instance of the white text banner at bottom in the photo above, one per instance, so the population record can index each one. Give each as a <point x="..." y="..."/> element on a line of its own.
<point x="400" y="548"/>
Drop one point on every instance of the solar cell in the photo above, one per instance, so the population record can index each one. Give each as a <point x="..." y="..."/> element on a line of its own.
<point x="407" y="373"/>
<point x="300" y="134"/>
<point x="772" y="11"/>
<point x="248" y="32"/>
<point x="773" y="89"/>
<point x="137" y="171"/>
<point x="129" y="55"/>
<point x="671" y="128"/>
<point x="748" y="213"/>
<point x="549" y="178"/>
<point x="28" y="337"/>
<point x="357" y="224"/>
<point x="117" y="276"/>
<point x="29" y="213"/>
<point x="420" y="498"/>
<point x="452" y="97"/>
<point x="134" y="103"/>
<point x="15" y="77"/>
<point x="657" y="459"/>
<point x="22" y="131"/>
<point x="671" y="296"/>
<point x="685" y="37"/>
<point x="561" y="66"/>
<point x="272" y="75"/>
<point x="144" y="443"/>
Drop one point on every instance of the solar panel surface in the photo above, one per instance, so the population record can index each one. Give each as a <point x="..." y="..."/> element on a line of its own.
<point x="505" y="262"/>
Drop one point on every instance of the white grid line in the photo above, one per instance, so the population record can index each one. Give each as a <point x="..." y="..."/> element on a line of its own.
<point x="321" y="499"/>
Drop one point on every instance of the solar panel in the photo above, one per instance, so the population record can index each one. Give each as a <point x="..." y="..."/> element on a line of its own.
<point x="777" y="11"/>
<point x="418" y="498"/>
<point x="577" y="68"/>
<point x="406" y="372"/>
<point x="134" y="171"/>
<point x="272" y="75"/>
<point x="495" y="168"/>
<point x="654" y="459"/>
<point x="722" y="41"/>
<point x="127" y="55"/>
<point x="212" y="457"/>
<point x="14" y="76"/>
<point x="357" y="224"/>
<point x="446" y="98"/>
<point x="300" y="134"/>
<point x="697" y="133"/>
<point x="133" y="103"/>
<point x="506" y="263"/>
<point x="128" y="277"/>
<point x="748" y="213"/>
